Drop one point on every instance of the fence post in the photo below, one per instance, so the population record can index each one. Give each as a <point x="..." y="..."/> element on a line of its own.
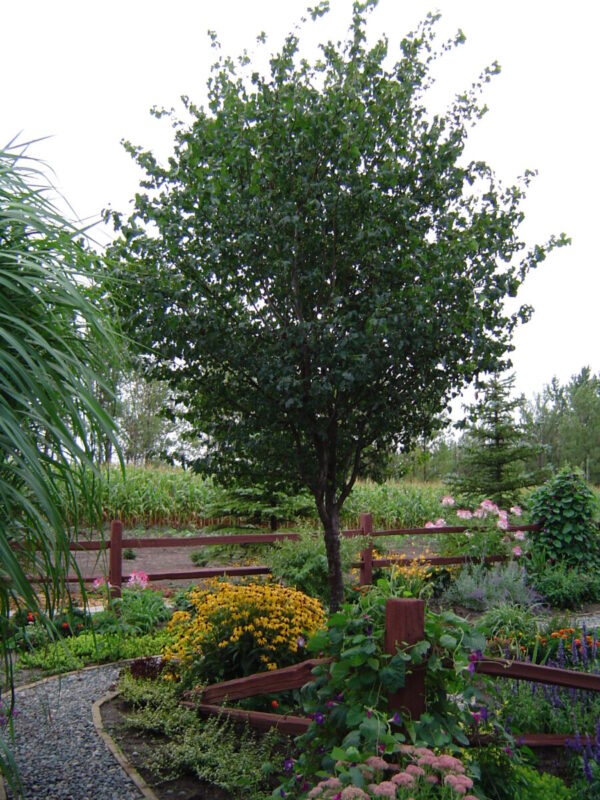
<point x="115" y="564"/>
<point x="405" y="624"/>
<point x="366" y="555"/>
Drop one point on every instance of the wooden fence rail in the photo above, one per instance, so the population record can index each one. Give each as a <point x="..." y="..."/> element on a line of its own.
<point x="404" y="625"/>
<point x="116" y="544"/>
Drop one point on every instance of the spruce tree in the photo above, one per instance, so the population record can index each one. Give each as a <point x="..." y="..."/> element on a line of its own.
<point x="495" y="448"/>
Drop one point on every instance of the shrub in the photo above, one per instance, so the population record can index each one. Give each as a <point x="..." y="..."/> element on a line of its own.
<point x="566" y="587"/>
<point x="238" y="629"/>
<point x="138" y="611"/>
<point x="508" y="627"/>
<point x="478" y="587"/>
<point x="303" y="563"/>
<point x="567" y="510"/>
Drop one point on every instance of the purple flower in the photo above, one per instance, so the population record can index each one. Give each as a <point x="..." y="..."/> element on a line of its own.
<point x="288" y="765"/>
<point x="301" y="641"/>
<point x="396" y="719"/>
<point x="319" y="718"/>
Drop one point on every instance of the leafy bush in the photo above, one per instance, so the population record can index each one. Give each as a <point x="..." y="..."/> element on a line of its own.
<point x="234" y="630"/>
<point x="567" y="510"/>
<point x="541" y="786"/>
<point x="303" y="563"/>
<point x="478" y="587"/>
<point x="508" y="627"/>
<point x="136" y="611"/>
<point x="566" y="587"/>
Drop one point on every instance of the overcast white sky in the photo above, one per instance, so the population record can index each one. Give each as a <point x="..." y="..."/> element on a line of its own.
<point x="86" y="73"/>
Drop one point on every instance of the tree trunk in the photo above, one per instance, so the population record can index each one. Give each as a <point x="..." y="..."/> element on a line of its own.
<point x="334" y="559"/>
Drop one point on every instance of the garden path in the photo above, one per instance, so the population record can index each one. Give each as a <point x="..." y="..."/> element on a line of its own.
<point x="57" y="748"/>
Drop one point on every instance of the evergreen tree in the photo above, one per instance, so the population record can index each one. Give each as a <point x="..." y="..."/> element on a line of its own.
<point x="495" y="448"/>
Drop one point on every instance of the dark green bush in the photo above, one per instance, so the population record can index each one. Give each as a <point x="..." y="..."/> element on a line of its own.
<point x="566" y="587"/>
<point x="567" y="510"/>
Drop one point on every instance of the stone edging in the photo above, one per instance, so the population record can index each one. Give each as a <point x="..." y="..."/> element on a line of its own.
<point x="114" y="748"/>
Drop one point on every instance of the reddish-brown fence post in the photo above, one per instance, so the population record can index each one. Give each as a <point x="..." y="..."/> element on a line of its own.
<point x="115" y="573"/>
<point x="366" y="555"/>
<point x="405" y="624"/>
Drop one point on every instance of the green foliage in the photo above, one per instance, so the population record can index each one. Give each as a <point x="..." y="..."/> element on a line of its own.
<point x="541" y="786"/>
<point x="479" y="587"/>
<point x="213" y="750"/>
<point x="566" y="587"/>
<point x="565" y="421"/>
<point x="348" y="699"/>
<point x="508" y="627"/>
<point x="318" y="253"/>
<point x="567" y="510"/>
<point x="303" y="563"/>
<point x="137" y="611"/>
<point x="89" y="648"/>
<point x="54" y="349"/>
<point x="495" y="450"/>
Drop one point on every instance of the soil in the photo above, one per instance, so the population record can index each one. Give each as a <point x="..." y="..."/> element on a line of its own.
<point x="138" y="747"/>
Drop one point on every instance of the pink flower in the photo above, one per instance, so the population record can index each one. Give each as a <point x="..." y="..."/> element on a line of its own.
<point x="517" y="551"/>
<point x="432" y="779"/>
<point x="138" y="578"/>
<point x="430" y="524"/>
<point x="502" y="523"/>
<point x="447" y="500"/>
<point x="517" y="511"/>
<point x="375" y="762"/>
<point x="403" y="779"/>
<point x="478" y="513"/>
<point x="384" y="789"/>
<point x="98" y="582"/>
<point x="489" y="507"/>
<point x="413" y="769"/>
<point x="353" y="793"/>
<point x="519" y="535"/>
<point x="440" y="523"/>
<point x="464" y="513"/>
<point x="450" y="762"/>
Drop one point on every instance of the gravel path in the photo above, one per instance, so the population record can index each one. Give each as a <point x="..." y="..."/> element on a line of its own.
<point x="59" y="754"/>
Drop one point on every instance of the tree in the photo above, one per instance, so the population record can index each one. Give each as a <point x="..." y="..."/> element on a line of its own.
<point x="580" y="428"/>
<point x="565" y="421"/>
<point x="318" y="269"/>
<point x="51" y="359"/>
<point x="144" y="432"/>
<point x="495" y="449"/>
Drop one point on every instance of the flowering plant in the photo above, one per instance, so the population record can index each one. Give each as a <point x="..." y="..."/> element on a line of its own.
<point x="236" y="629"/>
<point x="414" y="772"/>
<point x="348" y="700"/>
<point x="489" y="530"/>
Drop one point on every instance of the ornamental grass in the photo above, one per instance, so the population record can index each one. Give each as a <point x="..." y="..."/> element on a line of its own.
<point x="236" y="629"/>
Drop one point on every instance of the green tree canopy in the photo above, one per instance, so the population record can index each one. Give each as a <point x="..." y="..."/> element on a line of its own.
<point x="318" y="268"/>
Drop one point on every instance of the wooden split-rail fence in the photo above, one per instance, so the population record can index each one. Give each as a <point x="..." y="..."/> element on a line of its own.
<point x="404" y="626"/>
<point x="116" y="544"/>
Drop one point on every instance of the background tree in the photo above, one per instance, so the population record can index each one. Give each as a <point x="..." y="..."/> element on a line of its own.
<point x="52" y="346"/>
<point x="565" y="421"/>
<point x="495" y="449"/>
<point x="145" y="433"/>
<point x="318" y="269"/>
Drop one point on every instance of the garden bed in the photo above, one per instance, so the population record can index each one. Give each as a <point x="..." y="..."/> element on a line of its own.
<point x="139" y="748"/>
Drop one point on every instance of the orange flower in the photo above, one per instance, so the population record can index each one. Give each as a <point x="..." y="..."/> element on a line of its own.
<point x="274" y="704"/>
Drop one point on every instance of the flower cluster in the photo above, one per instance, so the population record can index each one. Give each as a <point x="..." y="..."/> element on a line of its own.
<point x="423" y="775"/>
<point x="138" y="579"/>
<point x="487" y="510"/>
<point x="235" y="629"/>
